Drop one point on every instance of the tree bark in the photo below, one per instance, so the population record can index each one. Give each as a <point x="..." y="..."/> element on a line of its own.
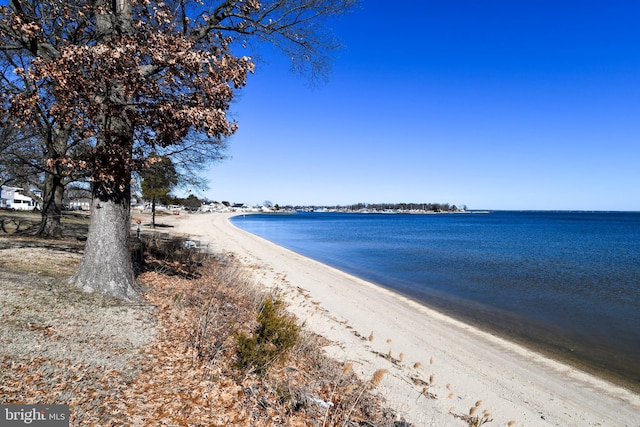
<point x="153" y="212"/>
<point x="54" y="182"/>
<point x="51" y="207"/>
<point x="106" y="266"/>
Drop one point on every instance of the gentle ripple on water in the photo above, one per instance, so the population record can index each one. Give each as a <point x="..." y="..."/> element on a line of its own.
<point x="569" y="281"/>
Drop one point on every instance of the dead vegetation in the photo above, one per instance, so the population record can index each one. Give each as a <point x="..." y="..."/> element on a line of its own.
<point x="174" y="360"/>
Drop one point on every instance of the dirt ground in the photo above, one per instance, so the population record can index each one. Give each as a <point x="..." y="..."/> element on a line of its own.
<point x="166" y="361"/>
<point x="57" y="341"/>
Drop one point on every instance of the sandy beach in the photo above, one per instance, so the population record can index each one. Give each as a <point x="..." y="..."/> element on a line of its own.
<point x="437" y="365"/>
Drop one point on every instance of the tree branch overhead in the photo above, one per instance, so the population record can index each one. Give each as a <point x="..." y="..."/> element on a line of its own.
<point x="110" y="81"/>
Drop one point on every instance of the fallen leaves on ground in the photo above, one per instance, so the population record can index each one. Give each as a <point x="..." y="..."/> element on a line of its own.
<point x="185" y="375"/>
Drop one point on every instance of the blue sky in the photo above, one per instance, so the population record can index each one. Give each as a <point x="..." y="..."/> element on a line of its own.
<point x="494" y="104"/>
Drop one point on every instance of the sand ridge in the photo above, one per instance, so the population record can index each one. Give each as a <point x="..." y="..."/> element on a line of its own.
<point x="437" y="365"/>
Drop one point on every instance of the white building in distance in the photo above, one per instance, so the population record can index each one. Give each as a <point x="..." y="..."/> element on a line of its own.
<point x="12" y="198"/>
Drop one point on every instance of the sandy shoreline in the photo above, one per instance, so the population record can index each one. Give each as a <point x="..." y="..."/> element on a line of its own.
<point x="367" y="322"/>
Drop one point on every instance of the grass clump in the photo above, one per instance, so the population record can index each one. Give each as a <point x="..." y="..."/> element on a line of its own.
<point x="275" y="334"/>
<point x="474" y="419"/>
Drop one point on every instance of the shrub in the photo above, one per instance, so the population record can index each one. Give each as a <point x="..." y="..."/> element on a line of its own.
<point x="173" y="255"/>
<point x="275" y="334"/>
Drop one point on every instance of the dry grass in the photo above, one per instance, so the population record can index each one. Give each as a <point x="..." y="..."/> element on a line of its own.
<point x="475" y="419"/>
<point x="168" y="361"/>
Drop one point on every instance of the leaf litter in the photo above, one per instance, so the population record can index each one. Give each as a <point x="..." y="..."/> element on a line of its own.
<point x="167" y="361"/>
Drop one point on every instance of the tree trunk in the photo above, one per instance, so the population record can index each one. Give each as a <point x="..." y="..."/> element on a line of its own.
<point x="153" y="212"/>
<point x="106" y="266"/>
<point x="51" y="207"/>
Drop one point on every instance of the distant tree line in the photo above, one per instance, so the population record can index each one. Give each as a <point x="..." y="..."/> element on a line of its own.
<point x="192" y="202"/>
<point x="427" y="207"/>
<point x="431" y="207"/>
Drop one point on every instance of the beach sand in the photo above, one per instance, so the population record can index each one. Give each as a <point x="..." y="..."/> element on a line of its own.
<point x="377" y="329"/>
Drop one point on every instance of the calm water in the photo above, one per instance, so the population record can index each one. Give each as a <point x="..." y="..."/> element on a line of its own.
<point x="567" y="283"/>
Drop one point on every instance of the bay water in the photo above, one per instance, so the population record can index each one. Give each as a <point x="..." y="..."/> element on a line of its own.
<point x="565" y="283"/>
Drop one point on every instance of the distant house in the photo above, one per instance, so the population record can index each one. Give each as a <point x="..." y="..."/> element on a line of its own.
<point x="215" y="207"/>
<point x="239" y="207"/>
<point x="12" y="198"/>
